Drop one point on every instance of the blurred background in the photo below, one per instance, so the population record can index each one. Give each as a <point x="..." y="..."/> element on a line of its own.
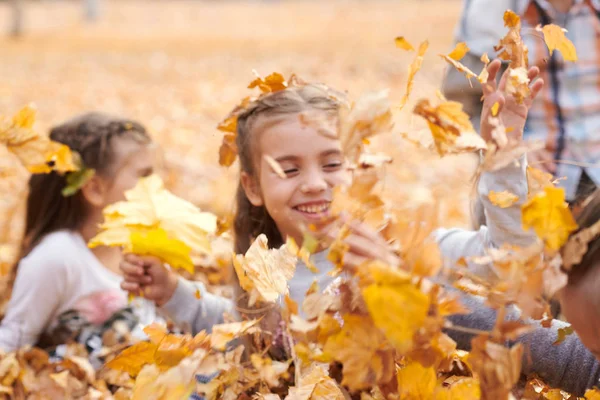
<point x="179" y="66"/>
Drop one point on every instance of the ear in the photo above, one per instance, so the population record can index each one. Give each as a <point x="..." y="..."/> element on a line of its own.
<point x="94" y="191"/>
<point x="252" y="189"/>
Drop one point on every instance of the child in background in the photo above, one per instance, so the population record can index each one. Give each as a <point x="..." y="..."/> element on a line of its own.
<point x="314" y="164"/>
<point x="63" y="291"/>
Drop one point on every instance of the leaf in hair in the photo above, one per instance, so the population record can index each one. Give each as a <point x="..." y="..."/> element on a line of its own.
<point x="76" y="180"/>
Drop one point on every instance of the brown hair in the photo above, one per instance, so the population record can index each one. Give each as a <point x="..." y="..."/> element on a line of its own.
<point x="91" y="135"/>
<point x="588" y="216"/>
<point x="250" y="221"/>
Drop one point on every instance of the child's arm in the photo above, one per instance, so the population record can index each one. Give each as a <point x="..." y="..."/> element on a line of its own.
<point x="36" y="295"/>
<point x="187" y="303"/>
<point x="569" y="365"/>
<point x="503" y="224"/>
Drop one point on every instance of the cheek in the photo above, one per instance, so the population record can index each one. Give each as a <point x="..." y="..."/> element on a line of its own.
<point x="341" y="177"/>
<point x="121" y="183"/>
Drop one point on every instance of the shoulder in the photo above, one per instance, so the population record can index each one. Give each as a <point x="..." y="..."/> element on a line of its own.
<point x="56" y="251"/>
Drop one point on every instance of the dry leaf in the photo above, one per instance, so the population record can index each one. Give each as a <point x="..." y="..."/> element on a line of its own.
<point x="316" y="385"/>
<point x="460" y="50"/>
<point x="549" y="216"/>
<point x="225" y="333"/>
<point x="416" y="382"/>
<point x="412" y="71"/>
<point x="403" y="44"/>
<point x="264" y="272"/>
<point x="362" y="350"/>
<point x="503" y="199"/>
<point x="272" y="83"/>
<point x="275" y="166"/>
<point x="555" y="39"/>
<point x="157" y="243"/>
<point x="133" y="359"/>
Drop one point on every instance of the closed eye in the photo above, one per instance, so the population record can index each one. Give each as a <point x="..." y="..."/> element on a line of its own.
<point x="334" y="165"/>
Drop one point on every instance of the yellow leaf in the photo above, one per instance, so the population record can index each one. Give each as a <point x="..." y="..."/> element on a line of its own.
<point x="502" y="199"/>
<point x="403" y="44"/>
<point x="398" y="308"/>
<point x="549" y="216"/>
<point x="269" y="370"/>
<point x="363" y="351"/>
<point x="224" y="333"/>
<point x="592" y="394"/>
<point x="511" y="46"/>
<point x="459" y="51"/>
<point x="149" y="207"/>
<point x="132" y="359"/>
<point x="264" y="272"/>
<point x="61" y="378"/>
<point x="555" y="39"/>
<point x="25" y="118"/>
<point x="176" y="383"/>
<point x="156" y="243"/>
<point x="562" y="334"/>
<point x="272" y="83"/>
<point x="412" y="71"/>
<point x="464" y="389"/>
<point x="537" y="180"/>
<point x="495" y="108"/>
<point x="416" y="382"/>
<point x="316" y="385"/>
<point x="447" y="123"/>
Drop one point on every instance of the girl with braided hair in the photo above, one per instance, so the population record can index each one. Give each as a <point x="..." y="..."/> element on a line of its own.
<point x="63" y="290"/>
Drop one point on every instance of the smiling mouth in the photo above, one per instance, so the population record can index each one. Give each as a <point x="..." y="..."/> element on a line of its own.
<point x="314" y="210"/>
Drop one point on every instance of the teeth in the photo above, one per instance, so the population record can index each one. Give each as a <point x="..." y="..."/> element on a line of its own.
<point x="313" y="209"/>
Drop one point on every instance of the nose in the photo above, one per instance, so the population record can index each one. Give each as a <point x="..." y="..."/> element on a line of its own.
<point x="314" y="182"/>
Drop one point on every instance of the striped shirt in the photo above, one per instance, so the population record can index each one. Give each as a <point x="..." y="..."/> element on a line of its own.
<point x="566" y="115"/>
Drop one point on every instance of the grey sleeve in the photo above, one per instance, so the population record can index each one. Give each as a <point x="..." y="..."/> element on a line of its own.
<point x="569" y="366"/>
<point x="196" y="313"/>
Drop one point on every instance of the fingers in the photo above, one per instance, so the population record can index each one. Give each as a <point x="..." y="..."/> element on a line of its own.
<point x="533" y="73"/>
<point x="490" y="86"/>
<point x="131" y="287"/>
<point x="536" y="87"/>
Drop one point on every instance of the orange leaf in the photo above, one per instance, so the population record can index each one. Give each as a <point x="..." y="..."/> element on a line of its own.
<point x="503" y="199"/>
<point x="403" y="44"/>
<point x="132" y="359"/>
<point x="555" y="39"/>
<point x="459" y="51"/>
<point x="412" y="71"/>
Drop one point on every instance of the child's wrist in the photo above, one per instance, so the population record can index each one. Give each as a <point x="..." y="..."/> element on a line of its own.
<point x="172" y="282"/>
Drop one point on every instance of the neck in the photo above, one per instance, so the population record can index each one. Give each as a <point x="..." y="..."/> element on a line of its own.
<point x="110" y="257"/>
<point x="562" y="5"/>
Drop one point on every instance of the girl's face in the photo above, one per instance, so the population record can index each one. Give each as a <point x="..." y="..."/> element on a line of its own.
<point x="131" y="161"/>
<point x="313" y="164"/>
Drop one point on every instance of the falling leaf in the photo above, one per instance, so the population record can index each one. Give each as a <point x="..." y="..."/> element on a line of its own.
<point x="133" y="359"/>
<point x="397" y="307"/>
<point x="463" y="68"/>
<point x="549" y="216"/>
<point x="537" y="180"/>
<point x="225" y="333"/>
<point x="447" y="122"/>
<point x="503" y="199"/>
<point x="149" y="207"/>
<point x="459" y="51"/>
<point x="403" y="44"/>
<point x="275" y="166"/>
<point x="264" y="272"/>
<point x="562" y="334"/>
<point x="157" y="243"/>
<point x="495" y="108"/>
<point x="511" y="47"/>
<point x="412" y="71"/>
<point x="555" y="39"/>
<point x="361" y="348"/>
<point x="370" y="115"/>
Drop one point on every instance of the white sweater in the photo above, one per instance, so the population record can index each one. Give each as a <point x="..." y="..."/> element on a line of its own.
<point x="61" y="274"/>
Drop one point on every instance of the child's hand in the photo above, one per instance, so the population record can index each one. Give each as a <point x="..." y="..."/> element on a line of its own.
<point x="365" y="244"/>
<point x="512" y="114"/>
<point x="147" y="276"/>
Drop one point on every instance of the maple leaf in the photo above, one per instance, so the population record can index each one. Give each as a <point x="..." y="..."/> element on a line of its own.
<point x="157" y="243"/>
<point x="362" y="349"/>
<point x="174" y="384"/>
<point x="368" y="116"/>
<point x="37" y="153"/>
<point x="403" y="44"/>
<point x="225" y="333"/>
<point x="150" y="207"/>
<point x="503" y="199"/>
<point x="413" y="68"/>
<point x="264" y="272"/>
<point x="460" y="50"/>
<point x="592" y="394"/>
<point x="555" y="39"/>
<point x="397" y="307"/>
<point x="134" y="358"/>
<point x="549" y="216"/>
<point x="448" y="122"/>
<point x="316" y="385"/>
<point x="511" y="46"/>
